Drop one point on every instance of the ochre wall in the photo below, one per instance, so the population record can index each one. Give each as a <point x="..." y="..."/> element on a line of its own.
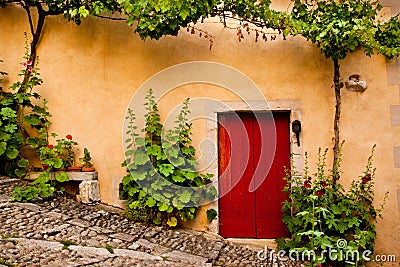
<point x="92" y="71"/>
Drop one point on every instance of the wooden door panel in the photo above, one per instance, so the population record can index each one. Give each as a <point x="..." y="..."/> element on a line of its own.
<point x="236" y="204"/>
<point x="269" y="195"/>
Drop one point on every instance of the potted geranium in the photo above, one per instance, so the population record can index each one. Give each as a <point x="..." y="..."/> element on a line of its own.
<point x="49" y="158"/>
<point x="65" y="147"/>
<point x="86" y="161"/>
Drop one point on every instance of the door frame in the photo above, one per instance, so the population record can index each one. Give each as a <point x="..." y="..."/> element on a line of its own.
<point x="211" y="151"/>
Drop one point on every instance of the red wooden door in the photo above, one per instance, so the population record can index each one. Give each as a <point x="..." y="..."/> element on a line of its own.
<point x="251" y="168"/>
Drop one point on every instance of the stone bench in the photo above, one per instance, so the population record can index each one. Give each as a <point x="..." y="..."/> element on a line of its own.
<point x="89" y="192"/>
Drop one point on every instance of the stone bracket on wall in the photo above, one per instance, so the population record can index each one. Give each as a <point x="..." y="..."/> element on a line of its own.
<point x="89" y="192"/>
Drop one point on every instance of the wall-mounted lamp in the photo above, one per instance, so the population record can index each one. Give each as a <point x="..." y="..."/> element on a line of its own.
<point x="296" y="128"/>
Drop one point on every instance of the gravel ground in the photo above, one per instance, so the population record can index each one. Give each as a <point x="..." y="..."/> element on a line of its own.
<point x="62" y="232"/>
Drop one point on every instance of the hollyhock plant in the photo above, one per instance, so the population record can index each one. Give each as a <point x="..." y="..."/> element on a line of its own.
<point x="320" y="212"/>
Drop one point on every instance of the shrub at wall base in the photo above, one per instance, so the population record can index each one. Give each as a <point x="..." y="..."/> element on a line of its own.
<point x="321" y="215"/>
<point x="156" y="164"/>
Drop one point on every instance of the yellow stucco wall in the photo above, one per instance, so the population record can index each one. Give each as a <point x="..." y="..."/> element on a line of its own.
<point x="91" y="72"/>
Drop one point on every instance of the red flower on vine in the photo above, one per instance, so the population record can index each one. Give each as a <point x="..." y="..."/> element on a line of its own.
<point x="69" y="136"/>
<point x="307" y="184"/>
<point x="366" y="178"/>
<point x="323" y="183"/>
<point x="50" y="146"/>
<point x="320" y="192"/>
<point x="27" y="63"/>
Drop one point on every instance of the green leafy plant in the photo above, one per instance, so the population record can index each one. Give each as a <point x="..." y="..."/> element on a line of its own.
<point x="162" y="184"/>
<point x="86" y="160"/>
<point x="110" y="248"/>
<point x="24" y="120"/>
<point x="67" y="243"/>
<point x="65" y="148"/>
<point x="49" y="157"/>
<point x="43" y="187"/>
<point x="320" y="214"/>
<point x="6" y="263"/>
<point x="211" y="214"/>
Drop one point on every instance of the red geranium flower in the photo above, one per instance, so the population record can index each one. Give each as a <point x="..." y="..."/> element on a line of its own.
<point x="323" y="183"/>
<point x="50" y="146"/>
<point x="69" y="137"/>
<point x="307" y="184"/>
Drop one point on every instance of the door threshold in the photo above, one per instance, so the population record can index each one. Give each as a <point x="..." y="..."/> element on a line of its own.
<point x="253" y="243"/>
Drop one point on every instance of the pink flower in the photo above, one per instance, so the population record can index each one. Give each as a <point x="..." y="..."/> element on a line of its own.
<point x="69" y="136"/>
<point x="30" y="68"/>
<point x="319" y="265"/>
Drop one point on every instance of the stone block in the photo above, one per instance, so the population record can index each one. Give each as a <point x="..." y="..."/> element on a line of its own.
<point x="398" y="199"/>
<point x="396" y="151"/>
<point x="89" y="191"/>
<point x="184" y="257"/>
<point x="395" y="115"/>
<point x="73" y="176"/>
<point x="393" y="74"/>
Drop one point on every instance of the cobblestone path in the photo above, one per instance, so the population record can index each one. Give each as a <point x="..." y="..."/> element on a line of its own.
<point x="62" y="232"/>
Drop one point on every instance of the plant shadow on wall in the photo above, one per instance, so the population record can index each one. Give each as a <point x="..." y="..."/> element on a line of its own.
<point x="162" y="185"/>
<point x="327" y="224"/>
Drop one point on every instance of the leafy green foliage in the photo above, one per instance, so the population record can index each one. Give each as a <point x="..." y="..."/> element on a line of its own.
<point x="67" y="243"/>
<point x="23" y="122"/>
<point x="211" y="214"/>
<point x="6" y="263"/>
<point x="340" y="27"/>
<point x="162" y="185"/>
<point x="158" y="18"/>
<point x="43" y="187"/>
<point x="320" y="213"/>
<point x="110" y="248"/>
<point x="73" y="10"/>
<point x="65" y="149"/>
<point x="86" y="160"/>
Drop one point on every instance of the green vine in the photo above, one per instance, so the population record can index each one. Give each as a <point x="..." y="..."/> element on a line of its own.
<point x="163" y="185"/>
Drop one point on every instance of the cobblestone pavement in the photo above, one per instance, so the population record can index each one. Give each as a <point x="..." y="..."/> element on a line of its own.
<point x="62" y="232"/>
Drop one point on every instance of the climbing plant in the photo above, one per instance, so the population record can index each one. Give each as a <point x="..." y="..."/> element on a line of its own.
<point x="24" y="120"/>
<point x="340" y="28"/>
<point x="162" y="185"/>
<point x="37" y="13"/>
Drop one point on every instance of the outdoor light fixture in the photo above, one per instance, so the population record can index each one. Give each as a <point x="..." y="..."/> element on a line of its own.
<point x="296" y="128"/>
